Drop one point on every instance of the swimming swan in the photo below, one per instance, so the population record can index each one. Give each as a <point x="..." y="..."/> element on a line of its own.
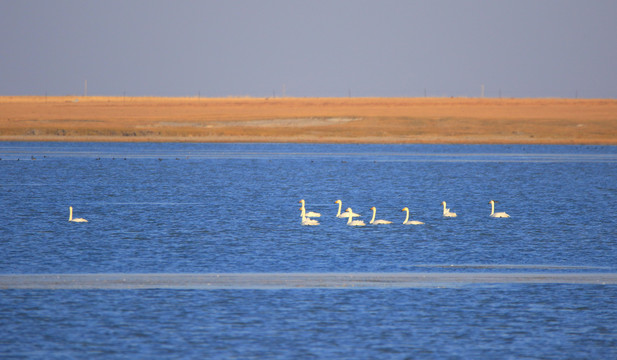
<point x="306" y="220"/>
<point x="410" y="222"/>
<point x="352" y="222"/>
<point x="378" y="222"/>
<point x="446" y="211"/>
<point x="499" y="214"/>
<point x="309" y="213"/>
<point x="345" y="214"/>
<point x="76" y="219"/>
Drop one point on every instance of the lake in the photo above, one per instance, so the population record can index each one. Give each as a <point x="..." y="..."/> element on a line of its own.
<point x="139" y="279"/>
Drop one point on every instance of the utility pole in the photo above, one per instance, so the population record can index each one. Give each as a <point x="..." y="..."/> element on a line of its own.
<point x="86" y="88"/>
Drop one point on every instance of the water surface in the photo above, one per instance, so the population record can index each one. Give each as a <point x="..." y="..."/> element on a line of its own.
<point x="233" y="209"/>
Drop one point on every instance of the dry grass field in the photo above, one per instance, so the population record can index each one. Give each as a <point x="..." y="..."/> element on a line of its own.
<point x="314" y="120"/>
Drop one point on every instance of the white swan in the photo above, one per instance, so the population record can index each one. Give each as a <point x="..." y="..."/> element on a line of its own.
<point x="446" y="211"/>
<point x="306" y="220"/>
<point x="352" y="222"/>
<point x="345" y="214"/>
<point x="410" y="222"/>
<point x="309" y="213"/>
<point x="76" y="219"/>
<point x="499" y="214"/>
<point x="378" y="222"/>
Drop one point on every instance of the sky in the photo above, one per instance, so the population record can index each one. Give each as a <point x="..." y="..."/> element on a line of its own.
<point x="313" y="48"/>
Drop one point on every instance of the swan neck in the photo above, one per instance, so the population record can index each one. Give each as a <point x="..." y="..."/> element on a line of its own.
<point x="492" y="208"/>
<point x="70" y="213"/>
<point x="340" y="204"/>
<point x="349" y="219"/>
<point x="303" y="212"/>
<point x="406" y="216"/>
<point x="373" y="218"/>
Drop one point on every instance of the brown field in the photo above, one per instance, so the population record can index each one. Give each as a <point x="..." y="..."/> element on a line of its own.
<point x="315" y="120"/>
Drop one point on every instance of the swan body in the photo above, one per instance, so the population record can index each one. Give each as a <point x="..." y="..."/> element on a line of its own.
<point x="352" y="222"/>
<point x="309" y="213"/>
<point x="306" y="220"/>
<point x="446" y="211"/>
<point x="378" y="222"/>
<point x="498" y="214"/>
<point x="410" y="222"/>
<point x="76" y="219"/>
<point x="345" y="214"/>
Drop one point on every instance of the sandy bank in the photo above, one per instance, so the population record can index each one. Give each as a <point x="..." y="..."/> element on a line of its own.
<point x="291" y="280"/>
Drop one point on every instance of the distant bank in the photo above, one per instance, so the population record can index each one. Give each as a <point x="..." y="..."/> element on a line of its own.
<point x="310" y="120"/>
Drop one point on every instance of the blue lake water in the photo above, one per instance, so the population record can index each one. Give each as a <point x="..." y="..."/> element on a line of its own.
<point x="233" y="208"/>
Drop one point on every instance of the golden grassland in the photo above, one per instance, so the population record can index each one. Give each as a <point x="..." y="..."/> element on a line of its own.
<point x="309" y="120"/>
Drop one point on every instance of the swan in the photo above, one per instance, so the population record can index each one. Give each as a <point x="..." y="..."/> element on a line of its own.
<point x="345" y="214"/>
<point x="378" y="222"/>
<point x="309" y="213"/>
<point x="446" y="211"/>
<point x="76" y="219"/>
<point x="410" y="222"/>
<point x="499" y="214"/>
<point x="352" y="222"/>
<point x="306" y="220"/>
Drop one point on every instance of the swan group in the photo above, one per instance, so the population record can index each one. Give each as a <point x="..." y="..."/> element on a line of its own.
<point x="349" y="214"/>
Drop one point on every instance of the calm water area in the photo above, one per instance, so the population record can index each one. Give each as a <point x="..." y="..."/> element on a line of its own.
<point x="191" y="209"/>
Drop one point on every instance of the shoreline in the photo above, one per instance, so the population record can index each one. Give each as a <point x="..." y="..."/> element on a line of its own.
<point x="276" y="140"/>
<point x="309" y="120"/>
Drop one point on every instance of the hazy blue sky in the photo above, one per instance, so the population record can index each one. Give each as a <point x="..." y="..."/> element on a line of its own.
<point x="518" y="48"/>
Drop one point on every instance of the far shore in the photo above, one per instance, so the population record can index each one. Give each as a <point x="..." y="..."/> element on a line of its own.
<point x="309" y="120"/>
